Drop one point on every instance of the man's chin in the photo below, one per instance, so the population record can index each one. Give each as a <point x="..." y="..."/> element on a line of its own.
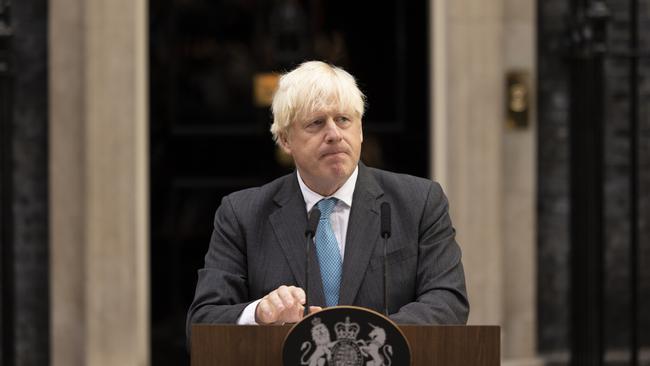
<point x="340" y="171"/>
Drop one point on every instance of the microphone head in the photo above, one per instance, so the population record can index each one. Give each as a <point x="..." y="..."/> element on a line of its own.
<point x="385" y="219"/>
<point x="312" y="223"/>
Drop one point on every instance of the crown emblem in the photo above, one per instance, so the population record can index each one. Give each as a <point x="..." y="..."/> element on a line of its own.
<point x="315" y="321"/>
<point x="346" y="330"/>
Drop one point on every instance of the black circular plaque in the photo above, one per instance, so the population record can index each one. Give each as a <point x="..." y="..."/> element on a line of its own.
<point x="345" y="336"/>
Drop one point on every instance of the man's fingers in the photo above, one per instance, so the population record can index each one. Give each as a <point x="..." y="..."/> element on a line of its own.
<point x="286" y="295"/>
<point x="298" y="314"/>
<point x="291" y="295"/>
<point x="276" y="301"/>
<point x="314" y="309"/>
<point x="298" y="293"/>
<point x="265" y="312"/>
<point x="283" y="304"/>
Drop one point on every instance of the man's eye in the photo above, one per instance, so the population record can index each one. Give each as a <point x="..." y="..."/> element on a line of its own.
<point x="342" y="119"/>
<point x="314" y="124"/>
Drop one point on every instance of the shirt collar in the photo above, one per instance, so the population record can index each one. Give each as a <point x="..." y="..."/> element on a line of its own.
<point x="343" y="194"/>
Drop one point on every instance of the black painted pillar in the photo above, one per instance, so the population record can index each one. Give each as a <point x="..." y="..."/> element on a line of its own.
<point x="586" y="181"/>
<point x="24" y="201"/>
<point x="6" y="189"/>
<point x="609" y="202"/>
<point x="635" y="328"/>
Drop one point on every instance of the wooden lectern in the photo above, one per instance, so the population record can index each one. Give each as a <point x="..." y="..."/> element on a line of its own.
<point x="253" y="345"/>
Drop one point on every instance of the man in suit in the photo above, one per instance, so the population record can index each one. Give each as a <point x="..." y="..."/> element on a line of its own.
<point x="254" y="269"/>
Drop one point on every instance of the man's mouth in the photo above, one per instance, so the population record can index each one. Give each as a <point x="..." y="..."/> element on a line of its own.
<point x="333" y="152"/>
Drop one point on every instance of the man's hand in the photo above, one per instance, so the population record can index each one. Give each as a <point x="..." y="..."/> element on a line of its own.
<point x="282" y="305"/>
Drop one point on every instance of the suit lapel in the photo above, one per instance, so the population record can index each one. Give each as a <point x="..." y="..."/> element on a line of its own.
<point x="362" y="235"/>
<point x="289" y="222"/>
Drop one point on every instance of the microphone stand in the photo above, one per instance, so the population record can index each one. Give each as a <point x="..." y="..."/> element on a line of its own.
<point x="385" y="236"/>
<point x="312" y="225"/>
<point x="310" y="236"/>
<point x="385" y="233"/>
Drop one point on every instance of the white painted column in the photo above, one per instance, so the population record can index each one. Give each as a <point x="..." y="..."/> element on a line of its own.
<point x="487" y="170"/>
<point x="467" y="139"/>
<point x="99" y="182"/>
<point x="519" y="161"/>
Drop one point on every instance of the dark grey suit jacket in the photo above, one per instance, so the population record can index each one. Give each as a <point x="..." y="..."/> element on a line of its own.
<point x="258" y="244"/>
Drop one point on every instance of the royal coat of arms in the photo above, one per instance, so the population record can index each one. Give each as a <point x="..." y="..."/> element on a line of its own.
<point x="347" y="349"/>
<point x="346" y="336"/>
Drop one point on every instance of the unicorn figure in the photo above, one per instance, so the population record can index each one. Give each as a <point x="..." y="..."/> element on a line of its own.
<point x="377" y="344"/>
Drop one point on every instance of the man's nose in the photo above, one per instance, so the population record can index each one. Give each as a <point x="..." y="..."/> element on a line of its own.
<point x="332" y="131"/>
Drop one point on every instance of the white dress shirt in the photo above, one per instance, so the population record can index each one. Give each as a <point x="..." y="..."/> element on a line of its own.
<point x="339" y="219"/>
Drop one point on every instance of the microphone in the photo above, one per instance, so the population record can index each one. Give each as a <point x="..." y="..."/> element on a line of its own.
<point x="385" y="220"/>
<point x="310" y="231"/>
<point x="385" y="233"/>
<point x="312" y="222"/>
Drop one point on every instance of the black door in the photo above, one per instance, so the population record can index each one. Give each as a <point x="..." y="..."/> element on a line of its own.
<point x="209" y="62"/>
<point x="594" y="181"/>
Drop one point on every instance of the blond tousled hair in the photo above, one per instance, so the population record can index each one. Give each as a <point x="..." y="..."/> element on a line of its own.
<point x="310" y="87"/>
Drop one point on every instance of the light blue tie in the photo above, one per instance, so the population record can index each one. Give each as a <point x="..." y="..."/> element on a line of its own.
<point x="329" y="256"/>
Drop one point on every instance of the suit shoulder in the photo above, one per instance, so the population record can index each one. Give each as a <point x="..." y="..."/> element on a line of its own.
<point x="404" y="182"/>
<point x="257" y="195"/>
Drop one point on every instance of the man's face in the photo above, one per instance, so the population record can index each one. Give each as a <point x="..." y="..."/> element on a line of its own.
<point x="325" y="146"/>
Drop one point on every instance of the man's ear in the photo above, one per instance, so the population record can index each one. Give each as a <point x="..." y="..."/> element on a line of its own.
<point x="284" y="143"/>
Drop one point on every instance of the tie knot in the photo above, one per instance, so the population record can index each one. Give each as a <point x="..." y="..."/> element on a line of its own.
<point x="326" y="206"/>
